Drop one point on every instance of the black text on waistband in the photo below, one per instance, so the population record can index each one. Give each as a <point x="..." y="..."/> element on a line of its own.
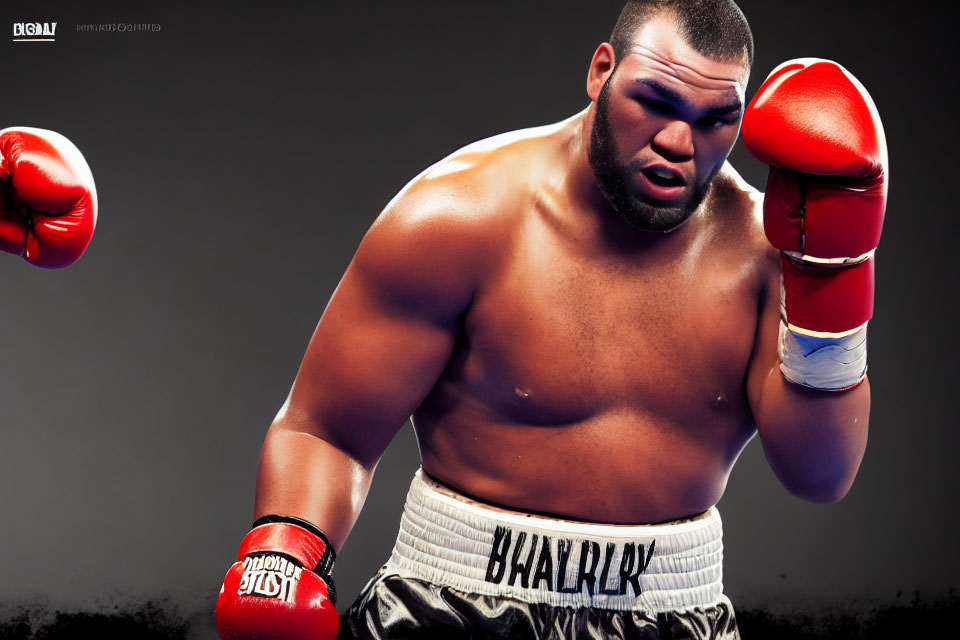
<point x="574" y="571"/>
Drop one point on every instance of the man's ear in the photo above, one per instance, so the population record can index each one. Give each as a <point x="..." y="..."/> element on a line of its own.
<point x="601" y="66"/>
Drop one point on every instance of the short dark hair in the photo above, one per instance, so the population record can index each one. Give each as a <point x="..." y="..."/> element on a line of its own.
<point x="715" y="28"/>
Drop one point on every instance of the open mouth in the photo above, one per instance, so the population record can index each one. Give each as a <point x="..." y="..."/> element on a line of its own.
<point x="664" y="177"/>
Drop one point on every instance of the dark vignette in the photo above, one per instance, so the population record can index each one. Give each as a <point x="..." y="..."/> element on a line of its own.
<point x="152" y="620"/>
<point x="918" y="617"/>
<point x="159" y="619"/>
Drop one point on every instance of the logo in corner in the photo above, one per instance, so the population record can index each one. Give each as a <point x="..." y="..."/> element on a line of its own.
<point x="34" y="31"/>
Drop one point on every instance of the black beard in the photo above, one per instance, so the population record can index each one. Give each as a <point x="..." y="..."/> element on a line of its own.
<point x="613" y="179"/>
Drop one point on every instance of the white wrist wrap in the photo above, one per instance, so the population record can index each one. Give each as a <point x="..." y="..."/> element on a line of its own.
<point x="828" y="364"/>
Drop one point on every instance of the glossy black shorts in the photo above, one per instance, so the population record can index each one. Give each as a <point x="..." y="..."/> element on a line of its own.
<point x="391" y="606"/>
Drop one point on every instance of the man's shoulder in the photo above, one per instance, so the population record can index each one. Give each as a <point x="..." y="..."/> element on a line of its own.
<point x="739" y="226"/>
<point x="489" y="173"/>
<point x="450" y="223"/>
<point x="476" y="191"/>
<point x="503" y="150"/>
<point x="737" y="198"/>
<point x="739" y="207"/>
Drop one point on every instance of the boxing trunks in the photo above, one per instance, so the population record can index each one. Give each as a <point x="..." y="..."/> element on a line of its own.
<point x="463" y="570"/>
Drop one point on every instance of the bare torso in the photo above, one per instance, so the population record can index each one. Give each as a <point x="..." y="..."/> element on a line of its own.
<point x="555" y="358"/>
<point x="596" y="375"/>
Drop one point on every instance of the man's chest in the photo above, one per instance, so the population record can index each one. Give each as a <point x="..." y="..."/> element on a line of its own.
<point x="567" y="337"/>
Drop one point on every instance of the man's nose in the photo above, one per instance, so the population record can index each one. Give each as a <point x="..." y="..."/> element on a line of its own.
<point x="675" y="141"/>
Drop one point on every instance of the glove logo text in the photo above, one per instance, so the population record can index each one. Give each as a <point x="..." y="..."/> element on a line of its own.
<point x="269" y="576"/>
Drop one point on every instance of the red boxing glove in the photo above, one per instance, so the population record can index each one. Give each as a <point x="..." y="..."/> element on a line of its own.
<point x="48" y="209"/>
<point x="280" y="587"/>
<point x="818" y="129"/>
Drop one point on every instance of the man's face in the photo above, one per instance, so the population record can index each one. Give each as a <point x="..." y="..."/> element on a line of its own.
<point x="665" y="121"/>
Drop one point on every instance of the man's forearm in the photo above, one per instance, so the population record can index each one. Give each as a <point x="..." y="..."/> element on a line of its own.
<point x="814" y="440"/>
<point x="305" y="476"/>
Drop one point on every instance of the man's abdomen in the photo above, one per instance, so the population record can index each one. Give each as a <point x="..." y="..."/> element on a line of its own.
<point x="616" y="467"/>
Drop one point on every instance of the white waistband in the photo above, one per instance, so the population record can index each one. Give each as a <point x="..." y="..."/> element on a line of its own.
<point x="654" y="568"/>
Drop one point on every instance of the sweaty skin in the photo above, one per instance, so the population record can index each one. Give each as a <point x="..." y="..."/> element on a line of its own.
<point x="591" y="380"/>
<point x="555" y="358"/>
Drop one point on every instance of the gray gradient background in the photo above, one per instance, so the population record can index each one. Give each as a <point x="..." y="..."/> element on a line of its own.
<point x="241" y="153"/>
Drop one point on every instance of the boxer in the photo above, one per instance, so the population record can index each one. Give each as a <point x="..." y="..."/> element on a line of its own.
<point x="48" y="209"/>
<point x="587" y="321"/>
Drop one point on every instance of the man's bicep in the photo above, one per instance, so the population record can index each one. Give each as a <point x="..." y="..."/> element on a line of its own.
<point x="388" y="330"/>
<point x="366" y="369"/>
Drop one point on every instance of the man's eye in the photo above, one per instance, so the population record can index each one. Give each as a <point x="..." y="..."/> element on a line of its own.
<point x="658" y="106"/>
<point x="713" y="122"/>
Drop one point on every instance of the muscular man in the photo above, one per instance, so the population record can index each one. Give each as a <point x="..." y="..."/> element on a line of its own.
<point x="48" y="208"/>
<point x="587" y="322"/>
